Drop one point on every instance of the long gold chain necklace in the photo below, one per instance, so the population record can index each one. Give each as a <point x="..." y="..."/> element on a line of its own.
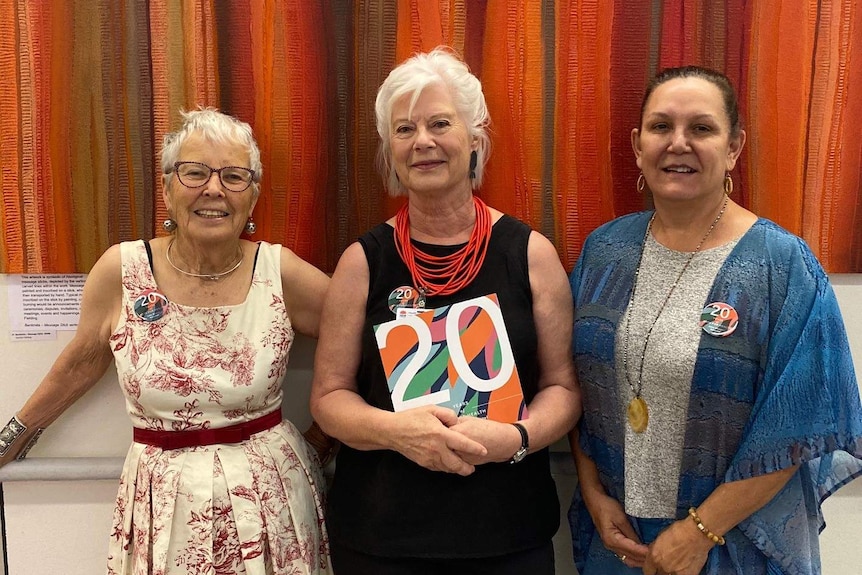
<point x="211" y="277"/>
<point x="637" y="410"/>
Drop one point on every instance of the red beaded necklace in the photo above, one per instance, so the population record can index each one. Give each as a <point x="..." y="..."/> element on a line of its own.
<point x="444" y="275"/>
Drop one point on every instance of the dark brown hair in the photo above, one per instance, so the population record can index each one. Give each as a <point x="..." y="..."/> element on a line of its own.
<point x="717" y="79"/>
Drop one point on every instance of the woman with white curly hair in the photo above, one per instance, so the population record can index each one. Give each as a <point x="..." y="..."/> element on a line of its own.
<point x="200" y="324"/>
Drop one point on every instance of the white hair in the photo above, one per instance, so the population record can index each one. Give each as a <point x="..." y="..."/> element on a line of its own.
<point x="217" y="127"/>
<point x="440" y="66"/>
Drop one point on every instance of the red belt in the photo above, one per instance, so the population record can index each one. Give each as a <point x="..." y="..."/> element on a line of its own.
<point x="232" y="434"/>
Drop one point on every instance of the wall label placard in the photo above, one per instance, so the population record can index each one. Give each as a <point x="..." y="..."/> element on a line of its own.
<point x="42" y="304"/>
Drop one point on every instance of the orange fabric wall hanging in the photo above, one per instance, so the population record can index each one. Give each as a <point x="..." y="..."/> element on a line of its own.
<point x="88" y="89"/>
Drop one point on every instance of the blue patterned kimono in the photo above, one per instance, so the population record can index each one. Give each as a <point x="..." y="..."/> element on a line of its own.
<point x="779" y="391"/>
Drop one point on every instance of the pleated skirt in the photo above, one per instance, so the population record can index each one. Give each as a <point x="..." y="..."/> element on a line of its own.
<point x="252" y="508"/>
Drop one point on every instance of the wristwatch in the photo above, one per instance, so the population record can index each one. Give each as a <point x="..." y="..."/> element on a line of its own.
<point x="525" y="444"/>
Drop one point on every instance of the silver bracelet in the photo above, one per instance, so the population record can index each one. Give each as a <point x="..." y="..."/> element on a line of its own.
<point x="30" y="444"/>
<point x="13" y="430"/>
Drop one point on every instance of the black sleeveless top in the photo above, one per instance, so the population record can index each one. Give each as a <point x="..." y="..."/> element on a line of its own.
<point x="380" y="502"/>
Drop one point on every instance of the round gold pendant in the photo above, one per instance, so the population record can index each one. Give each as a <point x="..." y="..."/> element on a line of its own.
<point x="638" y="414"/>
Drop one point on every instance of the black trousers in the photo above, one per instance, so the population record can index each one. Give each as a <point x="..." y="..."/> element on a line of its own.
<point x="538" y="561"/>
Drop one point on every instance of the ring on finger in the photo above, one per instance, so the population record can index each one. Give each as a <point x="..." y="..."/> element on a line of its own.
<point x="621" y="558"/>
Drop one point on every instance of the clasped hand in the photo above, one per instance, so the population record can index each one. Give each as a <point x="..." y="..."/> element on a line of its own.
<point x="436" y="438"/>
<point x="680" y="549"/>
<point x="616" y="531"/>
<point x="429" y="437"/>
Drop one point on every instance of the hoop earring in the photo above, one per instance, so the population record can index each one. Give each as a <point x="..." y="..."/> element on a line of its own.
<point x="169" y="225"/>
<point x="250" y="227"/>
<point x="474" y="159"/>
<point x="728" y="183"/>
<point x="641" y="185"/>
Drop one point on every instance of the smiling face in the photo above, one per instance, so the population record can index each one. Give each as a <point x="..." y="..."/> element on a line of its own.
<point x="209" y="212"/>
<point x="684" y="145"/>
<point x="430" y="144"/>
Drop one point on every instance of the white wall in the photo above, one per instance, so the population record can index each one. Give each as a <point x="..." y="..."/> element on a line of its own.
<point x="62" y="526"/>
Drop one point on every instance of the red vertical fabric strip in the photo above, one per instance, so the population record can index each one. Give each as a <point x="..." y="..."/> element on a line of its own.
<point x="277" y="121"/>
<point x="673" y="34"/>
<point x="455" y="25"/>
<point x="582" y="174"/>
<point x="635" y="39"/>
<point x="824" y="124"/>
<point x="736" y="63"/>
<point x="89" y="148"/>
<point x="31" y="208"/>
<point x="237" y="78"/>
<point x="58" y="140"/>
<point x="512" y="77"/>
<point x="238" y="86"/>
<point x="303" y="122"/>
<point x="780" y="79"/>
<point x="51" y="37"/>
<point x="120" y="211"/>
<point x="12" y="248"/>
<point x="39" y="107"/>
<point x="474" y="38"/>
<point x="341" y="79"/>
<point x="419" y="27"/>
<point x="261" y="23"/>
<point x="834" y="148"/>
<point x="200" y="46"/>
<point x="135" y="112"/>
<point x="208" y="65"/>
<point x="847" y="228"/>
<point x="683" y="33"/>
<point x="374" y="47"/>
<point x="712" y="31"/>
<point x="163" y="106"/>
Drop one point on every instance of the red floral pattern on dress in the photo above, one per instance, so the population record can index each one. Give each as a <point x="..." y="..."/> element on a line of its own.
<point x="249" y="508"/>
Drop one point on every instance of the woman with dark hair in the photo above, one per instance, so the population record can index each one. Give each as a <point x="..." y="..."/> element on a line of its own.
<point x="720" y="401"/>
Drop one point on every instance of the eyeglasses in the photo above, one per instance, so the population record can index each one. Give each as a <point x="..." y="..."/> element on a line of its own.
<point x="196" y="174"/>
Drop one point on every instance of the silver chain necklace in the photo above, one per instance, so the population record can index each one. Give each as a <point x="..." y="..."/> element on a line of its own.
<point x="637" y="410"/>
<point x="212" y="277"/>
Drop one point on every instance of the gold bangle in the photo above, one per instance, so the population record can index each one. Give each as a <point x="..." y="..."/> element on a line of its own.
<point x="718" y="539"/>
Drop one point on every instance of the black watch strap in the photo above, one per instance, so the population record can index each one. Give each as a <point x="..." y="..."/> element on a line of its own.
<point x="525" y="444"/>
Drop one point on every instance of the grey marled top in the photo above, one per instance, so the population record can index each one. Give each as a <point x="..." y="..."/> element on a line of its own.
<point x="652" y="458"/>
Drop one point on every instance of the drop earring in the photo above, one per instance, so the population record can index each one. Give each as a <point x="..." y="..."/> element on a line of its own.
<point x="728" y="183"/>
<point x="250" y="227"/>
<point x="474" y="159"/>
<point x="641" y="182"/>
<point x="169" y="225"/>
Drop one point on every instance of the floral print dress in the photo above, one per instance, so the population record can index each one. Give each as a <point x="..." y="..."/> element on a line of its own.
<point x="245" y="508"/>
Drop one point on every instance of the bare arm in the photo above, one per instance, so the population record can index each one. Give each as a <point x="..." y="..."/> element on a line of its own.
<point x="557" y="406"/>
<point x="304" y="289"/>
<point x="85" y="359"/>
<point x="420" y="434"/>
<point x="683" y="549"/>
<point x="608" y="515"/>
